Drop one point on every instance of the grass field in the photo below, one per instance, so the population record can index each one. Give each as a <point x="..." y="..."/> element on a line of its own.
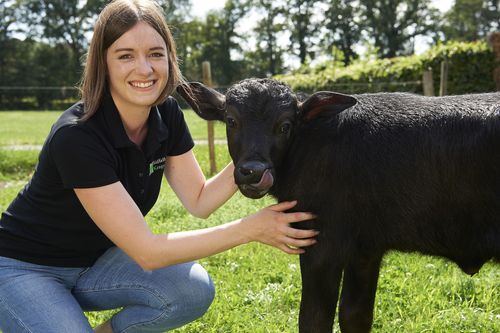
<point x="31" y="128"/>
<point x="258" y="288"/>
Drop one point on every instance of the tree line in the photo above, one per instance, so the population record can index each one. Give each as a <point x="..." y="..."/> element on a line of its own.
<point x="43" y="42"/>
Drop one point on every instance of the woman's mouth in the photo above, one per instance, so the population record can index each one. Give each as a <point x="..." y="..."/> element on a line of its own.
<point x="142" y="84"/>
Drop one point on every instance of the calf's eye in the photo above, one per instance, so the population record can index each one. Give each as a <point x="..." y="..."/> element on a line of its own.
<point x="285" y="128"/>
<point x="230" y="122"/>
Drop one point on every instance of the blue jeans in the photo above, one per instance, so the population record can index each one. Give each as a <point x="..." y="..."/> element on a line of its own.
<point x="45" y="299"/>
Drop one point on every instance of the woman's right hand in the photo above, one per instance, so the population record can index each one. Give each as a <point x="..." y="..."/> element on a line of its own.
<point x="271" y="226"/>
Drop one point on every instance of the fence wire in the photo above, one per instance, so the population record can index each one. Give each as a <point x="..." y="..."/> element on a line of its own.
<point x="60" y="98"/>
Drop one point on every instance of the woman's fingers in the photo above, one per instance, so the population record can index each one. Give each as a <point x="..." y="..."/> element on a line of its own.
<point x="298" y="217"/>
<point x="290" y="250"/>
<point x="275" y="230"/>
<point x="282" y="206"/>
<point x="291" y="217"/>
<point x="299" y="233"/>
<point x="294" y="242"/>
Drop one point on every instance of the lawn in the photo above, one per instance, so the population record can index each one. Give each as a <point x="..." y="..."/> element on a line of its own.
<point x="258" y="287"/>
<point x="31" y="128"/>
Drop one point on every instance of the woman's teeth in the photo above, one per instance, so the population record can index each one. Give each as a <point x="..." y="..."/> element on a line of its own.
<point x="142" y="84"/>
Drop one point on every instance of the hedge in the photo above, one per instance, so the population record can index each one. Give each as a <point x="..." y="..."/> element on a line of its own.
<point x="471" y="68"/>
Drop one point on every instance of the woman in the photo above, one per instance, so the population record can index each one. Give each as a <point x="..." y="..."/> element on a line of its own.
<point x="75" y="239"/>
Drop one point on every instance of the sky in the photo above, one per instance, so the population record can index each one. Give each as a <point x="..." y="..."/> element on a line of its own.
<point x="201" y="7"/>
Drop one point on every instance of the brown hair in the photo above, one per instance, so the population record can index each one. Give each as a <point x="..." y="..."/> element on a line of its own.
<point x="115" y="19"/>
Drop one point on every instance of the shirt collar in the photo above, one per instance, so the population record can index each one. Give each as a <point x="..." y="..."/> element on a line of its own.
<point x="157" y="131"/>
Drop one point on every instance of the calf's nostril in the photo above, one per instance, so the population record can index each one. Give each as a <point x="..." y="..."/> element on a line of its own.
<point x="245" y="171"/>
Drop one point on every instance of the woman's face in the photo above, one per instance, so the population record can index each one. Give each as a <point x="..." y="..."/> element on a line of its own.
<point x="137" y="67"/>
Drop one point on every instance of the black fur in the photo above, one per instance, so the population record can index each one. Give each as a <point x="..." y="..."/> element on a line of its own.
<point x="392" y="172"/>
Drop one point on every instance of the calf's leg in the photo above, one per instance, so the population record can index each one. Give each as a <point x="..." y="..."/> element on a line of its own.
<point x="320" y="290"/>
<point x="359" y="287"/>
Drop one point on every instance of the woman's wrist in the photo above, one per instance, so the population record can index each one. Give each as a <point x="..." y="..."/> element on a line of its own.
<point x="243" y="230"/>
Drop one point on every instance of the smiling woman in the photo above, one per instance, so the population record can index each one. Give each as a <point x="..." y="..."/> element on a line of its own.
<point x="109" y="30"/>
<point x="138" y="73"/>
<point x="76" y="239"/>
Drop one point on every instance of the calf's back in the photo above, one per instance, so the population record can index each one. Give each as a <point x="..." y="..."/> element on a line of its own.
<point x="403" y="172"/>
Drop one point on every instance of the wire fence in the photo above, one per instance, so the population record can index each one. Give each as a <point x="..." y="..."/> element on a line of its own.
<point x="376" y="86"/>
<point x="37" y="98"/>
<point x="60" y="98"/>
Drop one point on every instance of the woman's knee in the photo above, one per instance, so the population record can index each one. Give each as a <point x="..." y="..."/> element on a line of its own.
<point x="205" y="295"/>
<point x="198" y="292"/>
<point x="185" y="289"/>
<point x="179" y="299"/>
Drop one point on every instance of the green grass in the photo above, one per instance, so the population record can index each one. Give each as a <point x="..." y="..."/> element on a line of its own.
<point x="258" y="287"/>
<point x="25" y="127"/>
<point x="31" y="128"/>
<point x="198" y="126"/>
<point x="17" y="164"/>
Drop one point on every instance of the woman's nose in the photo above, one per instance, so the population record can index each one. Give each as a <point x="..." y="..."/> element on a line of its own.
<point x="144" y="66"/>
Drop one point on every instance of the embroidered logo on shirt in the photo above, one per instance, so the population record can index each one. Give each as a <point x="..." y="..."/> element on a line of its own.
<point x="156" y="165"/>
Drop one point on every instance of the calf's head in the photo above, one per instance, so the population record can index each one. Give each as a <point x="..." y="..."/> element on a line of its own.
<point x="261" y="117"/>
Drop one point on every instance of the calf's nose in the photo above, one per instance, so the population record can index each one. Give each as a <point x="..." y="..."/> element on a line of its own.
<point x="250" y="172"/>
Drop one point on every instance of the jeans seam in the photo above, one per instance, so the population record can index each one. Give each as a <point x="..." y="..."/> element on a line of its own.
<point x="152" y="291"/>
<point x="145" y="323"/>
<point x="15" y="317"/>
<point x="85" y="270"/>
<point x="165" y="307"/>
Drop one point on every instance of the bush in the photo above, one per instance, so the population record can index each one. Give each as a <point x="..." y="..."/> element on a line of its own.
<point x="471" y="68"/>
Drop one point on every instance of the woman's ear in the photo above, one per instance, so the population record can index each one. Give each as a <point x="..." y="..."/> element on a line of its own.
<point x="325" y="101"/>
<point x="208" y="103"/>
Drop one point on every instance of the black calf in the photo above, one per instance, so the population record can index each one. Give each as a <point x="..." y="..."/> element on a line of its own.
<point x="381" y="171"/>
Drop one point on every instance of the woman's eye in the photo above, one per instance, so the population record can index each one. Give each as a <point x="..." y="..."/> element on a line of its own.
<point x="230" y="122"/>
<point x="285" y="128"/>
<point x="157" y="55"/>
<point x="125" y="56"/>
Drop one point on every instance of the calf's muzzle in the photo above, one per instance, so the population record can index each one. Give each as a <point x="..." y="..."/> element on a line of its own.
<point x="254" y="178"/>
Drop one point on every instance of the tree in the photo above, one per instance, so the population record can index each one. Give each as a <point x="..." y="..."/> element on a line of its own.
<point x="470" y="20"/>
<point x="268" y="57"/>
<point x="52" y="68"/>
<point x="64" y="22"/>
<point x="177" y="14"/>
<point x="491" y="14"/>
<point x="233" y="12"/>
<point x="176" y="11"/>
<point x="302" y="27"/>
<point x="344" y="27"/>
<point x="190" y="48"/>
<point x="15" y="68"/>
<point x="187" y="32"/>
<point x="9" y="11"/>
<point x="393" y="24"/>
<point x="221" y="41"/>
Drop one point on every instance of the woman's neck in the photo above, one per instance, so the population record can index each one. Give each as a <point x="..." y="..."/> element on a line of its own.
<point x="135" y="122"/>
<point x="136" y="132"/>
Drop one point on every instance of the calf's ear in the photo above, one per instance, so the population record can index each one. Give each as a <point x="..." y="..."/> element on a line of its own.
<point x="208" y="103"/>
<point x="325" y="101"/>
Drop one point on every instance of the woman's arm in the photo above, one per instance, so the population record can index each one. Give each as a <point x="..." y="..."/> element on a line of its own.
<point x="116" y="214"/>
<point x="201" y="197"/>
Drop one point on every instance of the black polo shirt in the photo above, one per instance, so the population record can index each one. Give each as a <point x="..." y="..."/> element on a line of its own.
<point x="46" y="223"/>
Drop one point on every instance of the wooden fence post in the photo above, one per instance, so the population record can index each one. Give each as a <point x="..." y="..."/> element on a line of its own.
<point x="207" y="80"/>
<point x="443" y="87"/>
<point x="428" y="83"/>
<point x="494" y="40"/>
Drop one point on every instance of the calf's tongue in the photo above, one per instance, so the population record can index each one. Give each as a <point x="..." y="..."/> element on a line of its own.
<point x="266" y="181"/>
